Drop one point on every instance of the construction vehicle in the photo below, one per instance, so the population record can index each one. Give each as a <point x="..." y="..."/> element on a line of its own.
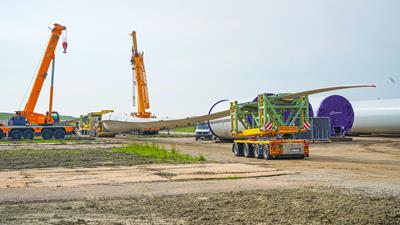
<point x="140" y="86"/>
<point x="91" y="125"/>
<point x="269" y="125"/>
<point x="27" y="124"/>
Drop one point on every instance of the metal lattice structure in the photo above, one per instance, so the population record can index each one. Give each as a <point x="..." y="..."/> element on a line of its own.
<point x="270" y="115"/>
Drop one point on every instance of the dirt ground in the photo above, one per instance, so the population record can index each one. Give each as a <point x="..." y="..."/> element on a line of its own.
<point x="341" y="183"/>
<point x="278" y="206"/>
<point x="68" y="158"/>
<point x="367" y="163"/>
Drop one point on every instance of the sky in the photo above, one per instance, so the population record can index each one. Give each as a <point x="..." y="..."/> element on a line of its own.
<point x="198" y="52"/>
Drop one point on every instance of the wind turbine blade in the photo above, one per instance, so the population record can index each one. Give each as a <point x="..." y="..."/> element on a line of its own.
<point x="320" y="90"/>
<point x="126" y="126"/>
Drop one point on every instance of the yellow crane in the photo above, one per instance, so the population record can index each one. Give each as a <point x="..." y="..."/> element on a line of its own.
<point x="91" y="125"/>
<point x="140" y="82"/>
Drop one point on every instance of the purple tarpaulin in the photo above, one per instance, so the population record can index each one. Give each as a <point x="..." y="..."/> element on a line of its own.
<point x="340" y="112"/>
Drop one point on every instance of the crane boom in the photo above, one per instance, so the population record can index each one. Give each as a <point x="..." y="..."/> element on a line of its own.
<point x="41" y="75"/>
<point x="139" y="71"/>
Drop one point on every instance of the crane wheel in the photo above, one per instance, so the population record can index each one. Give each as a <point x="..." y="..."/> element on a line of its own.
<point x="1" y="134"/>
<point x="16" y="135"/>
<point x="237" y="149"/>
<point x="59" y="134"/>
<point x="248" y="150"/>
<point x="47" y="134"/>
<point x="29" y="135"/>
<point x="258" y="154"/>
<point x="265" y="151"/>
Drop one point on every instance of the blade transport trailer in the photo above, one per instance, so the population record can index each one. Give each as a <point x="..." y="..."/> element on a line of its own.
<point x="269" y="125"/>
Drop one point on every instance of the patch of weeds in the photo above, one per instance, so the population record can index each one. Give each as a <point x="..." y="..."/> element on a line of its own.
<point x="159" y="154"/>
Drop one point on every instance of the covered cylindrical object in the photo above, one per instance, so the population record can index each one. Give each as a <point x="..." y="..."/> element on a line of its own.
<point x="380" y="116"/>
<point x="310" y="112"/>
<point x="340" y="111"/>
<point x="221" y="128"/>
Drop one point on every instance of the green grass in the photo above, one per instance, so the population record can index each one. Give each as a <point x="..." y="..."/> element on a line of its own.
<point x="67" y="117"/>
<point x="190" y="129"/>
<point x="159" y="154"/>
<point x="232" y="178"/>
<point x="6" y="116"/>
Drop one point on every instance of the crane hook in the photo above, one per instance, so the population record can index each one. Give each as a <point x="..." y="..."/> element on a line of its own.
<point x="65" y="46"/>
<point x="65" y="43"/>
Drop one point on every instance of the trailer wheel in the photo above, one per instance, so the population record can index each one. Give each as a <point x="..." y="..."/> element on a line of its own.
<point x="47" y="134"/>
<point x="258" y="153"/>
<point x="16" y="135"/>
<point x="29" y="135"/>
<point x="237" y="149"/>
<point x="59" y="134"/>
<point x="265" y="151"/>
<point x="1" y="134"/>
<point x="248" y="150"/>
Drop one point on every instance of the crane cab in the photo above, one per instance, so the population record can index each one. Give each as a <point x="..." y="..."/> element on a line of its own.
<point x="55" y="116"/>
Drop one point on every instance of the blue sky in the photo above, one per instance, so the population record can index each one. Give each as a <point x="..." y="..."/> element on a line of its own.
<point x="197" y="52"/>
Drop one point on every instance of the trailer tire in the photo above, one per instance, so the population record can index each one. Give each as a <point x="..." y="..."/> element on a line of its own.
<point x="248" y="150"/>
<point x="29" y="135"/>
<point x="265" y="151"/>
<point x="237" y="149"/>
<point x="1" y="134"/>
<point x="47" y="134"/>
<point x="258" y="154"/>
<point x="59" y="134"/>
<point x="16" y="135"/>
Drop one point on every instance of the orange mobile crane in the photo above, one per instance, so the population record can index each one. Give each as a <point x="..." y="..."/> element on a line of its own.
<point x="27" y="123"/>
<point x="140" y="82"/>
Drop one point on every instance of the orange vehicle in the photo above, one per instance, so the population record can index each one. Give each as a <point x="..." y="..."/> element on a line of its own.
<point x="27" y="124"/>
